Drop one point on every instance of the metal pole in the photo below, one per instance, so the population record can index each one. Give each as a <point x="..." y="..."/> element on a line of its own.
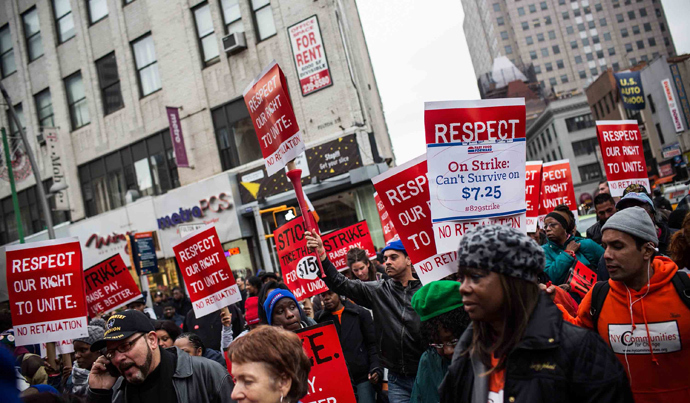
<point x="15" y="199"/>
<point x="37" y="174"/>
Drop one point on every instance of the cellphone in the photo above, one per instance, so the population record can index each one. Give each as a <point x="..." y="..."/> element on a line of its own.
<point x="112" y="370"/>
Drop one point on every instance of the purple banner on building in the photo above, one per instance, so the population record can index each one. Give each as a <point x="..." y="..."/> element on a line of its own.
<point x="177" y="137"/>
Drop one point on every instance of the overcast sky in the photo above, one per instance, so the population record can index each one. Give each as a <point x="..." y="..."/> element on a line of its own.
<point x="419" y="54"/>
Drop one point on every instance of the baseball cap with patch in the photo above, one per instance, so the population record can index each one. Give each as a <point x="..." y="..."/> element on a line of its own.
<point x="122" y="325"/>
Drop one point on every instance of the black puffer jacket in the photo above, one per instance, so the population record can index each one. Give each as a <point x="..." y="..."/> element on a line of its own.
<point x="554" y="362"/>
<point x="397" y="325"/>
<point x="357" y="338"/>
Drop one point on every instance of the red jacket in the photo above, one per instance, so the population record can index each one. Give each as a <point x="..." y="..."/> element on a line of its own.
<point x="660" y="372"/>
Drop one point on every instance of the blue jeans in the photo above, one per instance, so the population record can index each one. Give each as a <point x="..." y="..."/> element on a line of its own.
<point x="399" y="387"/>
<point x="365" y="392"/>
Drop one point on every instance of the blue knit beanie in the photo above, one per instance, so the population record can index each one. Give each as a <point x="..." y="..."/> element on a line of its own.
<point x="273" y="298"/>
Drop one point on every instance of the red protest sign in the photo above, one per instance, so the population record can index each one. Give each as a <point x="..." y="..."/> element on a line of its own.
<point x="299" y="265"/>
<point x="532" y="192"/>
<point x="45" y="284"/>
<point x="557" y="187"/>
<point x="389" y="232"/>
<point x="274" y="119"/>
<point x="337" y="243"/>
<point x="621" y="149"/>
<point x="581" y="279"/>
<point x="322" y="345"/>
<point x="109" y="285"/>
<point x="206" y="271"/>
<point x="404" y="191"/>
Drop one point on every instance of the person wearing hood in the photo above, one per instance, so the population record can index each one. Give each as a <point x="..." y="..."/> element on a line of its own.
<point x="563" y="249"/>
<point x="78" y="381"/>
<point x="640" y="303"/>
<point x="518" y="348"/>
<point x="283" y="310"/>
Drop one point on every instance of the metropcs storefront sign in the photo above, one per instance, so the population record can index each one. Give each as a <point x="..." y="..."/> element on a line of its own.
<point x="216" y="204"/>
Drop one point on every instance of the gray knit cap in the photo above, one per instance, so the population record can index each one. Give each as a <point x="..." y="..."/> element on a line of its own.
<point x="633" y="221"/>
<point x="95" y="333"/>
<point x="503" y="250"/>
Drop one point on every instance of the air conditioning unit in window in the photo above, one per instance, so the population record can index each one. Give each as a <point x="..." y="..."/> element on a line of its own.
<point x="234" y="43"/>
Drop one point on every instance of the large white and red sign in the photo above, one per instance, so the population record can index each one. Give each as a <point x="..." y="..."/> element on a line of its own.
<point x="310" y="56"/>
<point x="476" y="158"/>
<point x="328" y="366"/>
<point x="673" y="108"/>
<point x="339" y="242"/>
<point x="206" y="271"/>
<point x="109" y="285"/>
<point x="389" y="232"/>
<point x="300" y="268"/>
<point x="621" y="149"/>
<point x="274" y="119"/>
<point x="447" y="234"/>
<point x="46" y="288"/>
<point x="404" y="191"/>
<point x="532" y="192"/>
<point x="556" y="187"/>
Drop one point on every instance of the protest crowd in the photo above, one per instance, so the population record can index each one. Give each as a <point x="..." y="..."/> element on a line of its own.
<point x="501" y="313"/>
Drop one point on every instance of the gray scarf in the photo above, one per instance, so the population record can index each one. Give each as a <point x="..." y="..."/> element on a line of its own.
<point x="80" y="380"/>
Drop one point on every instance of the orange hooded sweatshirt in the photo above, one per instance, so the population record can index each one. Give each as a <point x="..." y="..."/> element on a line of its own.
<point x="659" y="372"/>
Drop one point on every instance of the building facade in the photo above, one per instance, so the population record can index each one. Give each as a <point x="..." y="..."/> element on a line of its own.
<point x="99" y="74"/>
<point x="568" y="42"/>
<point x="566" y="130"/>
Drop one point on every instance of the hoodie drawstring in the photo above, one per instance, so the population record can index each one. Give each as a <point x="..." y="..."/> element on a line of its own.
<point x="649" y="337"/>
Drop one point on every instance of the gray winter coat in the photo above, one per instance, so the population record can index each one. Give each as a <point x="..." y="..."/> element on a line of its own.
<point x="196" y="379"/>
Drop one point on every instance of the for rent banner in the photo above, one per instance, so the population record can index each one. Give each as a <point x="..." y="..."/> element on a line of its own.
<point x="389" y="232"/>
<point x="621" y="149"/>
<point x="337" y="243"/>
<point x="46" y="288"/>
<point x="556" y="187"/>
<point x="404" y="191"/>
<point x="310" y="56"/>
<point x="274" y="119"/>
<point x="206" y="271"/>
<point x="532" y="192"/>
<point x="109" y="285"/>
<point x="322" y="345"/>
<point x="476" y="158"/>
<point x="299" y="266"/>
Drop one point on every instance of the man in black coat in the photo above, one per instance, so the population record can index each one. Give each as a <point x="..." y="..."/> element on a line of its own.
<point x="181" y="302"/>
<point x="357" y="338"/>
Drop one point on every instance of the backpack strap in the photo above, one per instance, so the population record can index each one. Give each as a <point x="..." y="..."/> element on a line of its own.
<point x="599" y="292"/>
<point x="681" y="282"/>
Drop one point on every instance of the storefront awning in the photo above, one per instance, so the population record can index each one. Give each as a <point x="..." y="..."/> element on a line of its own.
<point x="665" y="179"/>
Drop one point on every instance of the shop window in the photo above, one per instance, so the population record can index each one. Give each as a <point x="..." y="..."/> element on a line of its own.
<point x="147" y="166"/>
<point x="235" y="135"/>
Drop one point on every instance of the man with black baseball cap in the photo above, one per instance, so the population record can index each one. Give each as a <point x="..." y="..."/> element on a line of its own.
<point x="134" y="368"/>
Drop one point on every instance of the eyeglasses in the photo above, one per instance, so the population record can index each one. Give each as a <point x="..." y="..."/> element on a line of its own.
<point x="123" y="348"/>
<point x="451" y="343"/>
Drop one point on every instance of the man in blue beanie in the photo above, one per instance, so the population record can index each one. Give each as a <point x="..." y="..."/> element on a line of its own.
<point x="396" y="323"/>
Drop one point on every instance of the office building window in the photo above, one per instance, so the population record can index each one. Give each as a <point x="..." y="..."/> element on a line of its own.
<point x="532" y="8"/>
<point x="32" y="32"/>
<point x="529" y="40"/>
<point x="76" y="99"/>
<point x="543" y="5"/>
<point x="14" y="129"/>
<point x="631" y="15"/>
<point x="537" y="69"/>
<point x="497" y="7"/>
<point x="552" y="81"/>
<point x="263" y="17"/>
<point x="509" y="50"/>
<point x="564" y="78"/>
<point x="600" y="54"/>
<point x="590" y="172"/>
<point x="566" y="15"/>
<point x="532" y="55"/>
<point x="602" y="22"/>
<point x="647" y="27"/>
<point x="658" y="12"/>
<point x="633" y="61"/>
<point x="640" y="44"/>
<point x="643" y="58"/>
<point x="636" y="29"/>
<point x="549" y="66"/>
<point x="147" y="166"/>
<point x="98" y="9"/>
<point x="525" y="25"/>
<point x="607" y="36"/>
<point x="624" y="32"/>
<point x="612" y="51"/>
<point x="577" y="12"/>
<point x="662" y="27"/>
<point x="578" y="59"/>
<point x="597" y="7"/>
<point x="628" y="47"/>
<point x="504" y="35"/>
<point x="652" y="42"/>
<point x="643" y="12"/>
<point x="581" y="27"/>
<point x="660" y="133"/>
<point x="147" y="65"/>
<point x="556" y="49"/>
<point x="109" y="81"/>
<point x="652" y="107"/>
<point x="552" y="35"/>
<point x="559" y="64"/>
<point x="44" y="108"/>
<point x="547" y="20"/>
<point x="569" y="29"/>
<point x="579" y="122"/>
<point x="615" y="66"/>
<point x="207" y="36"/>
<point x="590" y="57"/>
<point x="64" y="21"/>
<point x="544" y="52"/>
<point x="237" y="141"/>
<point x="521" y="11"/>
<point x="595" y="39"/>
<point x="7" y="64"/>
<point x="667" y="41"/>
<point x="573" y="44"/>
<point x="620" y="18"/>
<point x="536" y="22"/>
<point x="583" y="74"/>
<point x="591" y="24"/>
<point x="540" y="37"/>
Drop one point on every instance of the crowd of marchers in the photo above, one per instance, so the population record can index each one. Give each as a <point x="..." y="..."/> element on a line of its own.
<point x="507" y="327"/>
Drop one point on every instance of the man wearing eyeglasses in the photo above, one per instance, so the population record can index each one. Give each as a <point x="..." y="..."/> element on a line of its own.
<point x="135" y="369"/>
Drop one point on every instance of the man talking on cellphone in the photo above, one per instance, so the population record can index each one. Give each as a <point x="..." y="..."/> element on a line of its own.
<point x="136" y="369"/>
